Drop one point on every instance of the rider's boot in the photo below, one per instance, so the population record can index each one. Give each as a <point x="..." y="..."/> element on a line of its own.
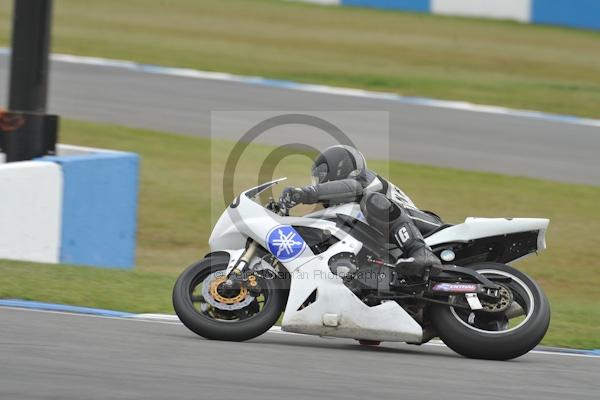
<point x="418" y="261"/>
<point x="417" y="256"/>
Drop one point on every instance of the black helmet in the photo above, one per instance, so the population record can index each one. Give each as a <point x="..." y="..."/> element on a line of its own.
<point x="338" y="162"/>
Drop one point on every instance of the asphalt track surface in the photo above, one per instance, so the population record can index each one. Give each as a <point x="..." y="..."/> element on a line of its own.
<point x="66" y="356"/>
<point x="427" y="135"/>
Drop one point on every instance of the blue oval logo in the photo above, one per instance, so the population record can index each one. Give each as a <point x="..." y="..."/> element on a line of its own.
<point x="285" y="243"/>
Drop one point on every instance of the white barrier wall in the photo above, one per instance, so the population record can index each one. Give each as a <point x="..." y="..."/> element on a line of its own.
<point x="519" y="10"/>
<point x="30" y="211"/>
<point x="78" y="207"/>
<point x="575" y="13"/>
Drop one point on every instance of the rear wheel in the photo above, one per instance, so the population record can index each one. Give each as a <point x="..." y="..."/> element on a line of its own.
<point x="210" y="308"/>
<point x="503" y="330"/>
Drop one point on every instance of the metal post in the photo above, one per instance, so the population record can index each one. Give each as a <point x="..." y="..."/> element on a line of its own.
<point x="29" y="59"/>
<point x="26" y="131"/>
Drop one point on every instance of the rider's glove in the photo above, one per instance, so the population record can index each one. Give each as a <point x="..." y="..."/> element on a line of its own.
<point x="292" y="196"/>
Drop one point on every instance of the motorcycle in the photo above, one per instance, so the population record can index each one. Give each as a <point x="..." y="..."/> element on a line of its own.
<point x="331" y="274"/>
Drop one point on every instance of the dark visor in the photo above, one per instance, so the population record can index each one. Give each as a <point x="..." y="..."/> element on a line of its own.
<point x="319" y="173"/>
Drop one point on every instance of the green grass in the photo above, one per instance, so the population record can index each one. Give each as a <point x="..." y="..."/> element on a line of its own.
<point x="85" y="286"/>
<point x="492" y="62"/>
<point x="180" y="198"/>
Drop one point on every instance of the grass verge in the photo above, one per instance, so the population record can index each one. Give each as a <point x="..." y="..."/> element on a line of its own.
<point x="177" y="195"/>
<point x="492" y="62"/>
<point x="85" y="286"/>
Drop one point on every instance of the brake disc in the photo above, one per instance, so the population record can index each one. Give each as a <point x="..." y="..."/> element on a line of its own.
<point x="503" y="303"/>
<point x="212" y="292"/>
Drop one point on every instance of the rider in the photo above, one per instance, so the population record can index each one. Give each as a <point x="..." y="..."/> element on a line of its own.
<point x="340" y="175"/>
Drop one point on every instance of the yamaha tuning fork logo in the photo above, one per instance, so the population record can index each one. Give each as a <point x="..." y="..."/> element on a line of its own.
<point x="285" y="243"/>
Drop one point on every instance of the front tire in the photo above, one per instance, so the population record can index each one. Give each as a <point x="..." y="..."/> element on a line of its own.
<point x="489" y="336"/>
<point x="244" y="324"/>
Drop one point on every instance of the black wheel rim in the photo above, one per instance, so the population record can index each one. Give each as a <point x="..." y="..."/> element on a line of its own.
<point x="499" y="323"/>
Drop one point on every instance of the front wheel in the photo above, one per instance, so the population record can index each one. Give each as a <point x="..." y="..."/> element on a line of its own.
<point x="208" y="307"/>
<point x="503" y="330"/>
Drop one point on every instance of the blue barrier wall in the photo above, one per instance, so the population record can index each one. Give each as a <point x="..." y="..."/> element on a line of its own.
<point x="408" y="5"/>
<point x="573" y="13"/>
<point x="576" y="13"/>
<point x="99" y="208"/>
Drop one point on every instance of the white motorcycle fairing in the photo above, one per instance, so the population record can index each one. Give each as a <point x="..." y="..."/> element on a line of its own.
<point x="471" y="229"/>
<point x="333" y="310"/>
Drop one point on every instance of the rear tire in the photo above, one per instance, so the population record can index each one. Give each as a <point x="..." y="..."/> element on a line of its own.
<point x="506" y="344"/>
<point x="234" y="330"/>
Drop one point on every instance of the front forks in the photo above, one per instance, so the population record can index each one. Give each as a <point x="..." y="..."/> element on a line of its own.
<point x="243" y="261"/>
<point x="236" y="275"/>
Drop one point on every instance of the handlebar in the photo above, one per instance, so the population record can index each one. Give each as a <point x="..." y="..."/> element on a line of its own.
<point x="278" y="207"/>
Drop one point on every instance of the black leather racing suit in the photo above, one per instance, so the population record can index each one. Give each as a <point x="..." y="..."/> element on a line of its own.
<point x="386" y="207"/>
